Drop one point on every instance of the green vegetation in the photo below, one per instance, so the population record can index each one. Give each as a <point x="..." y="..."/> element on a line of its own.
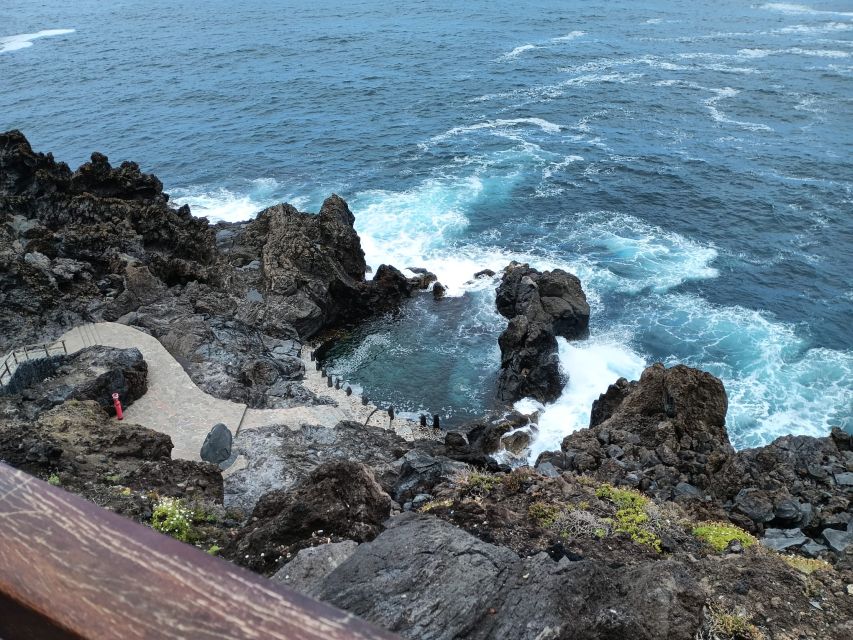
<point x="115" y="478"/>
<point x="545" y="515"/>
<point x="720" y="534"/>
<point x="631" y="516"/>
<point x="172" y="518"/>
<point x="53" y="480"/>
<point x="436" y="504"/>
<point x="805" y="565"/>
<point x="214" y="550"/>
<point x="722" y="625"/>
<point x="481" y="483"/>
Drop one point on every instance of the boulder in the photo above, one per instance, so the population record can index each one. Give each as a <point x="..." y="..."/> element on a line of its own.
<point x="93" y="373"/>
<point x="278" y="457"/>
<point x="665" y="430"/>
<point x="338" y="498"/>
<point x="310" y="566"/>
<point x="781" y="539"/>
<point x="424" y="578"/>
<point x="838" y="541"/>
<point x="217" y="444"/>
<point x="420" y="472"/>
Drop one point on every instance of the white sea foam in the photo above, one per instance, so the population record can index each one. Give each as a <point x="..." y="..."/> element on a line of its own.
<point x="821" y="53"/>
<point x="591" y="365"/>
<point x="623" y="253"/>
<point x="826" y="27"/>
<point x="572" y="35"/>
<point x="600" y="78"/>
<point x="719" y="116"/>
<point x="220" y="204"/>
<point x="24" y="40"/>
<point x="517" y="52"/>
<point x="499" y="124"/>
<point x="775" y="382"/>
<point x="551" y="169"/>
<point x="795" y="9"/>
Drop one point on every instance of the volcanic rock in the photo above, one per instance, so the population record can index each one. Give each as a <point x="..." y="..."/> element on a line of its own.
<point x="217" y="444"/>
<point x="540" y="307"/>
<point x="340" y="498"/>
<point x="423" y="578"/>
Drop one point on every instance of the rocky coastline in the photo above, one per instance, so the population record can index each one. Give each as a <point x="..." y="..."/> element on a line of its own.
<point x="646" y="524"/>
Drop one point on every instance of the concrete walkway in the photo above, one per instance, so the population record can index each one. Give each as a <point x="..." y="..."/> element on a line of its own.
<point x="176" y="406"/>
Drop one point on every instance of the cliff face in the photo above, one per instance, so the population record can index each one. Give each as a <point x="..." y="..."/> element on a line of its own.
<point x="230" y="302"/>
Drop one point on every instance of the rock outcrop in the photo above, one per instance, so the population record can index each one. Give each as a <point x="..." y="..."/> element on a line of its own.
<point x="424" y="578"/>
<point x="666" y="429"/>
<point x="795" y="483"/>
<point x="93" y="373"/>
<point x="278" y="457"/>
<point x="540" y="307"/>
<point x="665" y="434"/>
<point x="230" y="302"/>
<point x="91" y="455"/>
<point x="340" y="499"/>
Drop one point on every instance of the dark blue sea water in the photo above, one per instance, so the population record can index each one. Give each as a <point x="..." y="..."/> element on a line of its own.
<point x="691" y="162"/>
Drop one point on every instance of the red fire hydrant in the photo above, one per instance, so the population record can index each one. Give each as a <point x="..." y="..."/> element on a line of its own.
<point x="117" y="403"/>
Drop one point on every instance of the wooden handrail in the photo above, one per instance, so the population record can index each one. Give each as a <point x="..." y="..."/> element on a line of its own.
<point x="70" y="569"/>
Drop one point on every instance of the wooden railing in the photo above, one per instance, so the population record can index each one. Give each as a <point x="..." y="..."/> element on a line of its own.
<point x="70" y="569"/>
<point x="30" y="352"/>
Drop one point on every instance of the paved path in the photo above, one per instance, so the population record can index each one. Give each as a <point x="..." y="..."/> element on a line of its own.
<point x="176" y="406"/>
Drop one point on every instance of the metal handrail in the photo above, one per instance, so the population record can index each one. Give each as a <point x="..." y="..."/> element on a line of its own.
<point x="28" y="352"/>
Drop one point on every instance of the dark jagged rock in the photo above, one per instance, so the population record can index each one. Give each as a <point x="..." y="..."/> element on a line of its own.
<point x="424" y="578"/>
<point x="230" y="302"/>
<point x="420" y="472"/>
<point x="438" y="291"/>
<point x="792" y="479"/>
<point x="88" y="450"/>
<point x="668" y="428"/>
<point x="93" y="373"/>
<point x="477" y="441"/>
<point x="540" y="307"/>
<point x="278" y="457"/>
<point x="338" y="498"/>
<point x="64" y="238"/>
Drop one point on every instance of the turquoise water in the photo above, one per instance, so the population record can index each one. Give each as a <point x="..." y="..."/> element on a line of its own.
<point x="691" y="162"/>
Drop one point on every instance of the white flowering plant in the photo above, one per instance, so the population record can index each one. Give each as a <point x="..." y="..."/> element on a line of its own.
<point x="173" y="518"/>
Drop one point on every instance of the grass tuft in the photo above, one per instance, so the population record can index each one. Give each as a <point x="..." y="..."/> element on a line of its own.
<point x="719" y="534"/>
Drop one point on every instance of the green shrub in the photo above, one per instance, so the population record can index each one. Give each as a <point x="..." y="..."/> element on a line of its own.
<point x="720" y="534"/>
<point x="806" y="565"/>
<point x="214" y="550"/>
<point x="481" y="483"/>
<point x="631" y="517"/>
<point x="436" y="504"/>
<point x="53" y="480"/>
<point x="545" y="515"/>
<point x="172" y="518"/>
<point x="723" y="625"/>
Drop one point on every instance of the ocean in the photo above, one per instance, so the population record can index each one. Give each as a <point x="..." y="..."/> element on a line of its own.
<point x="692" y="163"/>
